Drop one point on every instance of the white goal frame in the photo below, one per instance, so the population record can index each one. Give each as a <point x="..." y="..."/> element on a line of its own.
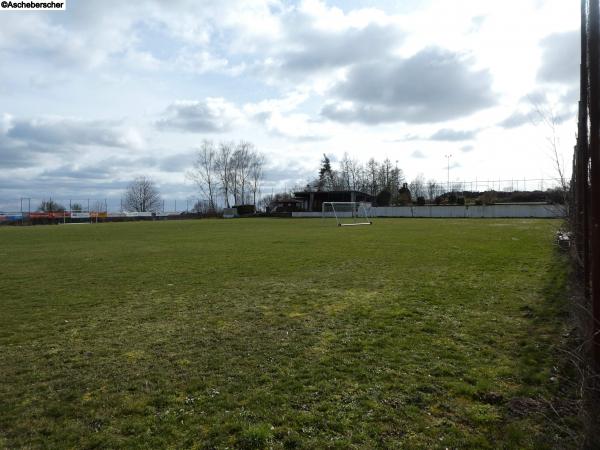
<point x="356" y="211"/>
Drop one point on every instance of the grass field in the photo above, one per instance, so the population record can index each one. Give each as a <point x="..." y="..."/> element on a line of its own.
<point x="283" y="333"/>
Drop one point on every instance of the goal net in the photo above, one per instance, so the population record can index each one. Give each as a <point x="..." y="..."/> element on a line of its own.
<point x="347" y="213"/>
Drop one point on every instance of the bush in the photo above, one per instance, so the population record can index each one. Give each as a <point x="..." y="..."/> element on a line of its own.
<point x="421" y="201"/>
<point x="555" y="196"/>
<point x="383" y="198"/>
<point x="487" y="198"/>
<point x="246" y="210"/>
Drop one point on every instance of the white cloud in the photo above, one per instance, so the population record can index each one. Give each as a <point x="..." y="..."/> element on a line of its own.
<point x="213" y="115"/>
<point x="54" y="133"/>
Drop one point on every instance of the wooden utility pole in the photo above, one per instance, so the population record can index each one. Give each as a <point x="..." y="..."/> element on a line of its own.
<point x="581" y="187"/>
<point x="593" y="51"/>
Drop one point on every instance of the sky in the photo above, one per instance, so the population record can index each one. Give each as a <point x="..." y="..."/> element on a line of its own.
<point x="105" y="91"/>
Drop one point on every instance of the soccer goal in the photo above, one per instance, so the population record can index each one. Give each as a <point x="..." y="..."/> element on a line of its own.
<point x="347" y="213"/>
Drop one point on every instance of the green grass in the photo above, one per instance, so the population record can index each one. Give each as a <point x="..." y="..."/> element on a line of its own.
<point x="282" y="333"/>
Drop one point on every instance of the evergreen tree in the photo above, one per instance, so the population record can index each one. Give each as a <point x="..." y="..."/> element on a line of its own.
<point x="325" y="174"/>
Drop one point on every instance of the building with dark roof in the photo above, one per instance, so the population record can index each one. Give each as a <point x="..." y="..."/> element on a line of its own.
<point x="313" y="200"/>
<point x="285" y="205"/>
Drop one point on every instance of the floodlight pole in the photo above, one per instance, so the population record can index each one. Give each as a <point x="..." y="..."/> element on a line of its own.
<point x="448" y="158"/>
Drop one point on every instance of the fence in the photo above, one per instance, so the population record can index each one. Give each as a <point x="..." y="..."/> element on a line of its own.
<point x="435" y="188"/>
<point x="585" y="182"/>
<point x="28" y="205"/>
<point x="458" y="211"/>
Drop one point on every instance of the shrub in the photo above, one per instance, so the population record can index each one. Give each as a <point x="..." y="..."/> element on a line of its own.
<point x="383" y="198"/>
<point x="246" y="210"/>
<point x="487" y="198"/>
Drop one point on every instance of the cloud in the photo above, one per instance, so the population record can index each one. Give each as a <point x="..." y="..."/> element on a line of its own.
<point x="559" y="103"/>
<point x="280" y="118"/>
<point x="418" y="154"/>
<point x="453" y="165"/>
<point x="213" y="115"/>
<point x="312" y="49"/>
<point x="15" y="155"/>
<point x="517" y="119"/>
<point x="298" y="127"/>
<point x="313" y="41"/>
<point x="467" y="148"/>
<point x="178" y="162"/>
<point x="431" y="86"/>
<point x="112" y="167"/>
<point x="99" y="179"/>
<point x="53" y="133"/>
<point x="89" y="173"/>
<point x="409" y="137"/>
<point x="147" y="35"/>
<point x="291" y="174"/>
<point x="560" y="58"/>
<point x="446" y="134"/>
<point x="203" y="61"/>
<point x="28" y="142"/>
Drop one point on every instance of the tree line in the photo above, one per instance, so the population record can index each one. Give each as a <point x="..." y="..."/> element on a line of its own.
<point x="226" y="174"/>
<point x="382" y="179"/>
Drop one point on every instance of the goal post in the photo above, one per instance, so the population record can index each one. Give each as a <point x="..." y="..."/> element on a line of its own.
<point x="347" y="213"/>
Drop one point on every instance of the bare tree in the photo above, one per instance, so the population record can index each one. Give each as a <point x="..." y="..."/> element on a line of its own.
<point x="242" y="159"/>
<point x="265" y="202"/>
<point x="371" y="176"/>
<point x="384" y="175"/>
<point x="234" y="186"/>
<point x="142" y="195"/>
<point x="432" y="189"/>
<point x="202" y="207"/>
<point x="344" y="172"/>
<point x="204" y="172"/>
<point x="417" y="186"/>
<point x="256" y="174"/>
<point x="99" y="206"/>
<point x="546" y="115"/>
<point x="224" y="169"/>
<point x="50" y="206"/>
<point x="397" y="179"/>
<point x="355" y="172"/>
